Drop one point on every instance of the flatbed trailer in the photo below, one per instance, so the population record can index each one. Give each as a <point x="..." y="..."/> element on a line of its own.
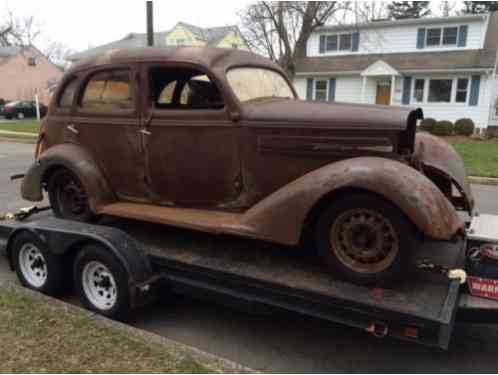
<point x="158" y="260"/>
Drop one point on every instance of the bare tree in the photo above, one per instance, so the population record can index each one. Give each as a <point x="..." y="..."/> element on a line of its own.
<point x="280" y="30"/>
<point x="447" y="8"/>
<point x="57" y="53"/>
<point x="15" y="31"/>
<point x="368" y="11"/>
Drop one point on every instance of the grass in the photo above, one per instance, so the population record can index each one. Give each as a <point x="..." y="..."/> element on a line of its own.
<point x="36" y="337"/>
<point x="480" y="157"/>
<point x="24" y="126"/>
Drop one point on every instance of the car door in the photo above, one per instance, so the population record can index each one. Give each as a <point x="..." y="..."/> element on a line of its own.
<point x="106" y="123"/>
<point x="191" y="144"/>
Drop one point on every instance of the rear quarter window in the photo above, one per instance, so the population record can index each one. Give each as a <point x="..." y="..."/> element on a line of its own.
<point x="108" y="91"/>
<point x="67" y="95"/>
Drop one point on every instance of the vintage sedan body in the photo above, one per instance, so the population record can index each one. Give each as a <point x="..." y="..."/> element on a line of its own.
<point x="216" y="140"/>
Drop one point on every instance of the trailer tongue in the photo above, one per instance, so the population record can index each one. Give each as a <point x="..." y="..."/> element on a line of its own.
<point x="263" y="276"/>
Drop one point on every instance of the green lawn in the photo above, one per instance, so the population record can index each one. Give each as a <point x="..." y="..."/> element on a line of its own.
<point x="24" y="126"/>
<point x="43" y="338"/>
<point x="480" y="157"/>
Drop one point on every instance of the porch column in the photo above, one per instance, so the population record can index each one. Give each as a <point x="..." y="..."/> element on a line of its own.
<point x="393" y="83"/>
<point x="363" y="88"/>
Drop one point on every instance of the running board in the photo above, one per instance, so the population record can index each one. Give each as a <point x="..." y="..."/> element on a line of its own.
<point x="198" y="219"/>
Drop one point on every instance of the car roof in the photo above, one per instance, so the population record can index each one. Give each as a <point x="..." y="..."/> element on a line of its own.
<point x="209" y="57"/>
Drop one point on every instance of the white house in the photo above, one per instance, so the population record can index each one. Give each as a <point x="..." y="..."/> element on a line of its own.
<point x="447" y="66"/>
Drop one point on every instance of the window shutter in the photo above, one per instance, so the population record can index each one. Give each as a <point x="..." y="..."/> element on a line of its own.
<point x="421" y="38"/>
<point x="475" y="85"/>
<point x="322" y="44"/>
<point x="462" y="35"/>
<point x="355" y="41"/>
<point x="407" y="85"/>
<point x="309" y="89"/>
<point x="331" y="89"/>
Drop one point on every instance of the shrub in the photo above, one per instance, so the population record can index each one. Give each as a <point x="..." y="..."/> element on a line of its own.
<point x="427" y="124"/>
<point x="443" y="128"/>
<point x="464" y="126"/>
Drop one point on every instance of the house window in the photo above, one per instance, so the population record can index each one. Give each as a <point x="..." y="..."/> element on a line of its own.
<point x="31" y="61"/>
<point x="235" y="45"/>
<point x="180" y="42"/>
<point x="345" y="42"/>
<point x="332" y="43"/>
<point x="437" y="37"/>
<point x="418" y="90"/>
<point x="462" y="89"/>
<point x="450" y="35"/>
<point x="321" y="90"/>
<point x="342" y="42"/>
<point x="440" y="90"/>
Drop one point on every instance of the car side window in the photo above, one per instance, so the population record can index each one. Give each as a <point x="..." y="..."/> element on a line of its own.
<point x="183" y="88"/>
<point x="108" y="91"/>
<point x="66" y="98"/>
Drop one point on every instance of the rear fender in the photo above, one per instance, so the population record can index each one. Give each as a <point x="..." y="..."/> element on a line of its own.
<point x="281" y="216"/>
<point x="77" y="160"/>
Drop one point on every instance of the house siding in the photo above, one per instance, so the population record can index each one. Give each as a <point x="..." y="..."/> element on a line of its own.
<point x="399" y="39"/>
<point x="231" y="39"/>
<point x="180" y="32"/>
<point x="19" y="81"/>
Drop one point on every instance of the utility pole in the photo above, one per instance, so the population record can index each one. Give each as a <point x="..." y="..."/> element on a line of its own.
<point x="150" y="24"/>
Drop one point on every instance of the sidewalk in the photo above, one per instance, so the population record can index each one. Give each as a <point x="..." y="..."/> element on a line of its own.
<point x="8" y="133"/>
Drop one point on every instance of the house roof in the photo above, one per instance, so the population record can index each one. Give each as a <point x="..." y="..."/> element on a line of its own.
<point x="9" y="51"/>
<point x="484" y="58"/>
<point x="211" y="35"/>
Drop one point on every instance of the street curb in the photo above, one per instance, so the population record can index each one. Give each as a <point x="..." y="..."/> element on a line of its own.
<point x="483" y="180"/>
<point x="18" y="134"/>
<point x="210" y="361"/>
<point x="28" y="140"/>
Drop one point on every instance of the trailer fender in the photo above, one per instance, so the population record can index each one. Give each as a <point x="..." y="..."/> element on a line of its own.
<point x="64" y="237"/>
<point x="281" y="216"/>
<point x="77" y="160"/>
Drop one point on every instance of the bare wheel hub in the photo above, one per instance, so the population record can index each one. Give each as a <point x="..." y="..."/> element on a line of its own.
<point x="364" y="240"/>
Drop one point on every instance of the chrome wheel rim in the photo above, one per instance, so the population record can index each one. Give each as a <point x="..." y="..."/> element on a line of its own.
<point x="33" y="265"/>
<point x="99" y="285"/>
<point x="364" y="241"/>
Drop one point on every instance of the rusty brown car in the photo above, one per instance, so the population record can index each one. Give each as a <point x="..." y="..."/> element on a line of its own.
<point x="217" y="140"/>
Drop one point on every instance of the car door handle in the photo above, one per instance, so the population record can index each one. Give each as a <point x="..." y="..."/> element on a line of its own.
<point x="145" y="132"/>
<point x="72" y="129"/>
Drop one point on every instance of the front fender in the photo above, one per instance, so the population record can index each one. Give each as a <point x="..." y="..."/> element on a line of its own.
<point x="77" y="160"/>
<point x="280" y="217"/>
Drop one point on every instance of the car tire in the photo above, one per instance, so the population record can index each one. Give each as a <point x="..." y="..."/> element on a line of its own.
<point x="68" y="197"/>
<point x="8" y="117"/>
<point x="36" y="267"/>
<point x="101" y="282"/>
<point x="365" y="239"/>
<point x="20" y="115"/>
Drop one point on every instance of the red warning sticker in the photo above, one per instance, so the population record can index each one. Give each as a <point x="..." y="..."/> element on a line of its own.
<point x="481" y="287"/>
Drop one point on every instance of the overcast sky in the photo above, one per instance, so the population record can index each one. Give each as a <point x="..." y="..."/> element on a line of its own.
<point x="83" y="23"/>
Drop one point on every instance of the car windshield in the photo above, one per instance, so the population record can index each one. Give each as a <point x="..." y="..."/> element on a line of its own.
<point x="257" y="83"/>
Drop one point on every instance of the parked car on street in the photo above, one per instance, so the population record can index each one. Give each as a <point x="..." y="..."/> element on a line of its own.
<point x="217" y="140"/>
<point x="22" y="109"/>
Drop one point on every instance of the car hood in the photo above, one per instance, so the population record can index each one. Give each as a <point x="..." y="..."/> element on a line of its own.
<point x="326" y="114"/>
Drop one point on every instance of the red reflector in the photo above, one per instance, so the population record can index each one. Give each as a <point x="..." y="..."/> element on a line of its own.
<point x="481" y="287"/>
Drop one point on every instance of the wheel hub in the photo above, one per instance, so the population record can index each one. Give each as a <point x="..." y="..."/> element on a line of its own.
<point x="364" y="240"/>
<point x="33" y="265"/>
<point x="99" y="285"/>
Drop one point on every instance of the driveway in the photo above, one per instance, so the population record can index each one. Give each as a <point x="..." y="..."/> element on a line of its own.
<point x="287" y="342"/>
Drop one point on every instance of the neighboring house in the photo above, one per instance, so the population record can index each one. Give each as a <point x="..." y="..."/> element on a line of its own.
<point x="447" y="66"/>
<point x="182" y="34"/>
<point x="24" y="72"/>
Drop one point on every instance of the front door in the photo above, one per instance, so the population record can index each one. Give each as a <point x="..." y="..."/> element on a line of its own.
<point x="383" y="93"/>
<point x="106" y="123"/>
<point x="192" y="153"/>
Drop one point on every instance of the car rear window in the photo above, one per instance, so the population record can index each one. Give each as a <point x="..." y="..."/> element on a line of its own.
<point x="108" y="91"/>
<point x="66" y="98"/>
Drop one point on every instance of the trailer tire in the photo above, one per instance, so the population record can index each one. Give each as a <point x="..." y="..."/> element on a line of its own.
<point x="365" y="239"/>
<point x="36" y="267"/>
<point x="101" y="282"/>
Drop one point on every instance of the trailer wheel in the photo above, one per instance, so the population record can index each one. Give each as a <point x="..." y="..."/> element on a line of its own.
<point x="101" y="282"/>
<point x="365" y="239"/>
<point x="36" y="267"/>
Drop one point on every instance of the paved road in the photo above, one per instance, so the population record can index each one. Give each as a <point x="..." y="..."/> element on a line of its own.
<point x="287" y="342"/>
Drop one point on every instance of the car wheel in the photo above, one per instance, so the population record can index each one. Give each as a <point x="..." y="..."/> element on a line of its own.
<point x="8" y="117"/>
<point x="68" y="198"/>
<point x="101" y="282"/>
<point x="20" y="115"/>
<point x="365" y="239"/>
<point x="37" y="268"/>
